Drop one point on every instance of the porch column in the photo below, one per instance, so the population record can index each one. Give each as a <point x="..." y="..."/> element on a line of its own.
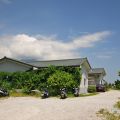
<point x="101" y="79"/>
<point x="84" y="81"/>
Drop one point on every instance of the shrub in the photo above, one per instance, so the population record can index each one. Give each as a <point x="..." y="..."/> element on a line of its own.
<point x="117" y="84"/>
<point x="30" y="80"/>
<point x="106" y="115"/>
<point x="5" y="80"/>
<point x="19" y="79"/>
<point x="15" y="93"/>
<point x="59" y="80"/>
<point x="91" y="88"/>
<point x="26" y="90"/>
<point x="75" y="71"/>
<point x="117" y="105"/>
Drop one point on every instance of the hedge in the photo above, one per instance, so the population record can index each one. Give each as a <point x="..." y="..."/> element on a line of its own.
<point x="40" y="79"/>
<point x="91" y="88"/>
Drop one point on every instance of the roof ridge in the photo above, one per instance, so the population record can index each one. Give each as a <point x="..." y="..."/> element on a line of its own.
<point x="57" y="60"/>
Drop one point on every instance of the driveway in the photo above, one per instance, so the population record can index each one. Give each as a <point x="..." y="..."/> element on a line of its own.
<point x="81" y="108"/>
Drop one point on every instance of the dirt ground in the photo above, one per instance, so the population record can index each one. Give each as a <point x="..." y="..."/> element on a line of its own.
<point x="81" y="108"/>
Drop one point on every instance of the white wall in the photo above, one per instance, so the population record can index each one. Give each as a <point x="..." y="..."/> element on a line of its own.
<point x="101" y="79"/>
<point x="84" y="80"/>
<point x="9" y="66"/>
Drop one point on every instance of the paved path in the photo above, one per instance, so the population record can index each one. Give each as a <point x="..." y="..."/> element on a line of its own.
<point x="82" y="108"/>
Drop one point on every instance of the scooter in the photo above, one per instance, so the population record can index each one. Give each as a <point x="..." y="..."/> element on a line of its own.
<point x="63" y="93"/>
<point x="3" y="92"/>
<point x="45" y="94"/>
<point x="76" y="92"/>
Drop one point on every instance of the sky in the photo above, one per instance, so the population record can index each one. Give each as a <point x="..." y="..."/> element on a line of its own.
<point x="62" y="29"/>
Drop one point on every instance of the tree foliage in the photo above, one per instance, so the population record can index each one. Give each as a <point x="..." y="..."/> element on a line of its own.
<point x="61" y="79"/>
<point x="119" y="73"/>
<point x="91" y="88"/>
<point x="63" y="76"/>
<point x="117" y="84"/>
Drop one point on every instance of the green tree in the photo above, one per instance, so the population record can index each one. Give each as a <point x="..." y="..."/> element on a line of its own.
<point x="119" y="73"/>
<point x="59" y="80"/>
<point x="75" y="71"/>
<point x="39" y="79"/>
<point x="5" y="80"/>
<point x="117" y="84"/>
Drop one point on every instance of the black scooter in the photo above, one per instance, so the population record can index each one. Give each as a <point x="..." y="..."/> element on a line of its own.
<point x="76" y="92"/>
<point x="63" y="93"/>
<point x="3" y="92"/>
<point x="45" y="94"/>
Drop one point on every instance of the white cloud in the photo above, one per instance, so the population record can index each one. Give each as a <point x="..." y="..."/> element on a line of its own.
<point x="42" y="47"/>
<point x="89" y="39"/>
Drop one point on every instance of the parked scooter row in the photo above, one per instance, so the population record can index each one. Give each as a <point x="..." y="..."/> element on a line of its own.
<point x="63" y="93"/>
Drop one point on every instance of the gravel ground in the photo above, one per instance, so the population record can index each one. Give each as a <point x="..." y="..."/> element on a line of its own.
<point x="81" y="108"/>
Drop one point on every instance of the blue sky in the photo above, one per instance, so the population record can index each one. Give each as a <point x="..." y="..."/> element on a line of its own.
<point x="57" y="29"/>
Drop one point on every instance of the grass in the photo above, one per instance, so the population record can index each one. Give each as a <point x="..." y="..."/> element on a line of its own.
<point x="117" y="105"/>
<point x="70" y="95"/>
<point x="89" y="94"/>
<point x="17" y="94"/>
<point x="104" y="113"/>
<point x="21" y="94"/>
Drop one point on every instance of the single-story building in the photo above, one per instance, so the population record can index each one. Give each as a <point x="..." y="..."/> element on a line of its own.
<point x="90" y="76"/>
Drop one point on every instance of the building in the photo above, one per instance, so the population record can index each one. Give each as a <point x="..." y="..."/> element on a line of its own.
<point x="90" y="76"/>
<point x="96" y="76"/>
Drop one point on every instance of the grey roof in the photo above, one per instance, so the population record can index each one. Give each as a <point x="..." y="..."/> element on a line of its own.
<point x="97" y="71"/>
<point x="20" y="62"/>
<point x="64" y="62"/>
